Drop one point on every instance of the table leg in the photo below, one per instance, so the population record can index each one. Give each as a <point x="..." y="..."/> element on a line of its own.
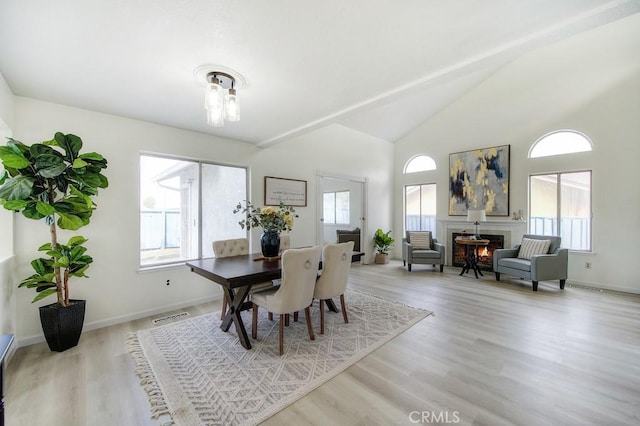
<point x="332" y="306"/>
<point x="233" y="314"/>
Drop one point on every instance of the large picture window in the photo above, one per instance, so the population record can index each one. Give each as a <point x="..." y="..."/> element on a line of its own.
<point x="184" y="206"/>
<point x="560" y="205"/>
<point x="336" y="208"/>
<point x="420" y="207"/>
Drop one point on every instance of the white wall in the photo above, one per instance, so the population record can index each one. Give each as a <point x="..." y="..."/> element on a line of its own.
<point x="116" y="290"/>
<point x="7" y="287"/>
<point x="589" y="83"/>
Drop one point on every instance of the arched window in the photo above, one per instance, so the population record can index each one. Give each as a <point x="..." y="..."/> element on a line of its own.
<point x="419" y="163"/>
<point x="560" y="142"/>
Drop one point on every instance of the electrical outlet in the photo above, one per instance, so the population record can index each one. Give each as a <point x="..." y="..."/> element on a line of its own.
<point x="587" y="265"/>
<point x="168" y="282"/>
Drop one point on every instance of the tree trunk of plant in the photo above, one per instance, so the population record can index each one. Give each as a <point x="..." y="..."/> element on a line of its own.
<point x="59" y="282"/>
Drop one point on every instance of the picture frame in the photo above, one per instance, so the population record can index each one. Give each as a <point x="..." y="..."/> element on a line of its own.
<point x="480" y="179"/>
<point x="291" y="192"/>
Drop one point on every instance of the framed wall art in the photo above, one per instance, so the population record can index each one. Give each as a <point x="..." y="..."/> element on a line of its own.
<point x="291" y="192"/>
<point x="479" y="179"/>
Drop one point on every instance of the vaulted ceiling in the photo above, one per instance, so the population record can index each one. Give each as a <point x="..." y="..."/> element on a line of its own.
<point x="378" y="66"/>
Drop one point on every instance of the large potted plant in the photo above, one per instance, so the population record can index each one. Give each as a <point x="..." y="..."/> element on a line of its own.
<point x="383" y="242"/>
<point x="53" y="182"/>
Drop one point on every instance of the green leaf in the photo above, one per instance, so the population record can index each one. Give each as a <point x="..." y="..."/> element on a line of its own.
<point x="92" y="156"/>
<point x="31" y="212"/>
<point x="104" y="182"/>
<point x="17" y="188"/>
<point x="46" y="293"/>
<point x="11" y="159"/>
<point x="50" y="165"/>
<point x="77" y="252"/>
<point x="44" y="247"/>
<point x="63" y="262"/>
<point x="4" y="176"/>
<point x="70" y="221"/>
<point x="79" y="163"/>
<point x="45" y="208"/>
<point x="76" y="240"/>
<point x="38" y="266"/>
<point x="15" y="205"/>
<point x="71" y="145"/>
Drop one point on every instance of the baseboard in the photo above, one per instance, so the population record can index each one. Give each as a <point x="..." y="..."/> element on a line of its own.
<point x="599" y="286"/>
<point x="32" y="340"/>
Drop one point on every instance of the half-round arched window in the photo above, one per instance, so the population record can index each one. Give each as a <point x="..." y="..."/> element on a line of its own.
<point x="560" y="142"/>
<point x="419" y="163"/>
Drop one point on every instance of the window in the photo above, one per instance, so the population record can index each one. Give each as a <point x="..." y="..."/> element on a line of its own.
<point x="420" y="163"/>
<point x="560" y="205"/>
<point x="560" y="142"/>
<point x="420" y="207"/>
<point x="336" y="208"/>
<point x="184" y="206"/>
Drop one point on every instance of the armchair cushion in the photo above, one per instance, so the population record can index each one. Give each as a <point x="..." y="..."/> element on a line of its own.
<point x="421" y="240"/>
<point x="531" y="247"/>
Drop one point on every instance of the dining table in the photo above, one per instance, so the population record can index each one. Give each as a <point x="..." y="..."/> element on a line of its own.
<point x="236" y="275"/>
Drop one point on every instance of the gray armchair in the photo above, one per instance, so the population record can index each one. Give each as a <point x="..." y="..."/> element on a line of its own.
<point x="434" y="255"/>
<point x="550" y="266"/>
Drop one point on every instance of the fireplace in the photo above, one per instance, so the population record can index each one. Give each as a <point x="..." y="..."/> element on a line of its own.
<point x="485" y="254"/>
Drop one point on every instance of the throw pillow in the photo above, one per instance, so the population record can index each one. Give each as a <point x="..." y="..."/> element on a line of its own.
<point x="530" y="248"/>
<point x="420" y="240"/>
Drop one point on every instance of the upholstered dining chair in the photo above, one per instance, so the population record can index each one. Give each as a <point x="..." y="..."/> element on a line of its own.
<point x="336" y="263"/>
<point x="285" y="243"/>
<point x="234" y="247"/>
<point x="299" y="272"/>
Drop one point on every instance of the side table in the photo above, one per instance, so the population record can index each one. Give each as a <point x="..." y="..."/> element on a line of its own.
<point x="5" y="343"/>
<point x="471" y="254"/>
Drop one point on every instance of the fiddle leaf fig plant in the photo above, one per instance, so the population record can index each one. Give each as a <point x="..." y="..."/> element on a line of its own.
<point x="53" y="181"/>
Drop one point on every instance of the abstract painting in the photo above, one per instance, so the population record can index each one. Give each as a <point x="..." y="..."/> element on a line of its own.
<point x="479" y="179"/>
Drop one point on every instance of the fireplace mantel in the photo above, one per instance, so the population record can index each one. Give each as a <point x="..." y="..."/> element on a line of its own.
<point x="512" y="230"/>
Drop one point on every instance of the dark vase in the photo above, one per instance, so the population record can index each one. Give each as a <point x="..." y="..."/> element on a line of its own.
<point x="270" y="243"/>
<point x="62" y="326"/>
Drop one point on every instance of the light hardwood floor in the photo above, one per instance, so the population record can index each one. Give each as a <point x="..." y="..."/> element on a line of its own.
<point x="494" y="353"/>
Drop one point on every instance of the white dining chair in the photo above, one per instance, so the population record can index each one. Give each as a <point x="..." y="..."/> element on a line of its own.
<point x="234" y="247"/>
<point x="299" y="272"/>
<point x="336" y="263"/>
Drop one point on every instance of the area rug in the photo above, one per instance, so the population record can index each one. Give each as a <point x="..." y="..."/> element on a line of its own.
<point x="196" y="374"/>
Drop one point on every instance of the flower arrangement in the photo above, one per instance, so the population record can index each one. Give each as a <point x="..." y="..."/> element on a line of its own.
<point x="268" y="218"/>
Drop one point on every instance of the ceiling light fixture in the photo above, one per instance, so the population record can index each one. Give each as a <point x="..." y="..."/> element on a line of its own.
<point x="221" y="97"/>
<point x="221" y="103"/>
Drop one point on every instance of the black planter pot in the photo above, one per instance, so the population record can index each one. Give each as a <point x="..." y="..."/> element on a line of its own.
<point x="62" y="326"/>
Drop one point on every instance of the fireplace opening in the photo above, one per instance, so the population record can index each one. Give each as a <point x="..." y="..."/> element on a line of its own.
<point x="485" y="254"/>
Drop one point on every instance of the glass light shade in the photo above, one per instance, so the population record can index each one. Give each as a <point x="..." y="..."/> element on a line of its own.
<point x="214" y="103"/>
<point x="231" y="106"/>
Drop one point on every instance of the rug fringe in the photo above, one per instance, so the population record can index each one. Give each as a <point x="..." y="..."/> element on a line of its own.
<point x="148" y="379"/>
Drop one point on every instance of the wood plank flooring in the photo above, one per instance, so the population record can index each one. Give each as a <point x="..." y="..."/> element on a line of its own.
<point x="495" y="353"/>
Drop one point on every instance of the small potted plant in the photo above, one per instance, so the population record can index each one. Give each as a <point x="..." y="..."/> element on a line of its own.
<point x="383" y="243"/>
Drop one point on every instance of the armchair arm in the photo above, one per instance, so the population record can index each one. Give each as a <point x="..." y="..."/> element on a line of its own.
<point x="440" y="249"/>
<point x="550" y="266"/>
<point x="406" y="250"/>
<point x="503" y="254"/>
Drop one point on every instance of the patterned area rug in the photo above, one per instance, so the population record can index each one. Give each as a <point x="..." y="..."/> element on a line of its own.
<point x="197" y="374"/>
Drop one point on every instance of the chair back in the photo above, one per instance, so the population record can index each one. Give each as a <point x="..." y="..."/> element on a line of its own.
<point x="285" y="243"/>
<point x="554" y="241"/>
<point x="232" y="247"/>
<point x="336" y="263"/>
<point x="299" y="272"/>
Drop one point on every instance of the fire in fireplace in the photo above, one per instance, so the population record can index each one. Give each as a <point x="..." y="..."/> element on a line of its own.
<point x="485" y="254"/>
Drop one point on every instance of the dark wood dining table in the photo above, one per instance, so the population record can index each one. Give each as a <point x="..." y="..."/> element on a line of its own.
<point x="236" y="275"/>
